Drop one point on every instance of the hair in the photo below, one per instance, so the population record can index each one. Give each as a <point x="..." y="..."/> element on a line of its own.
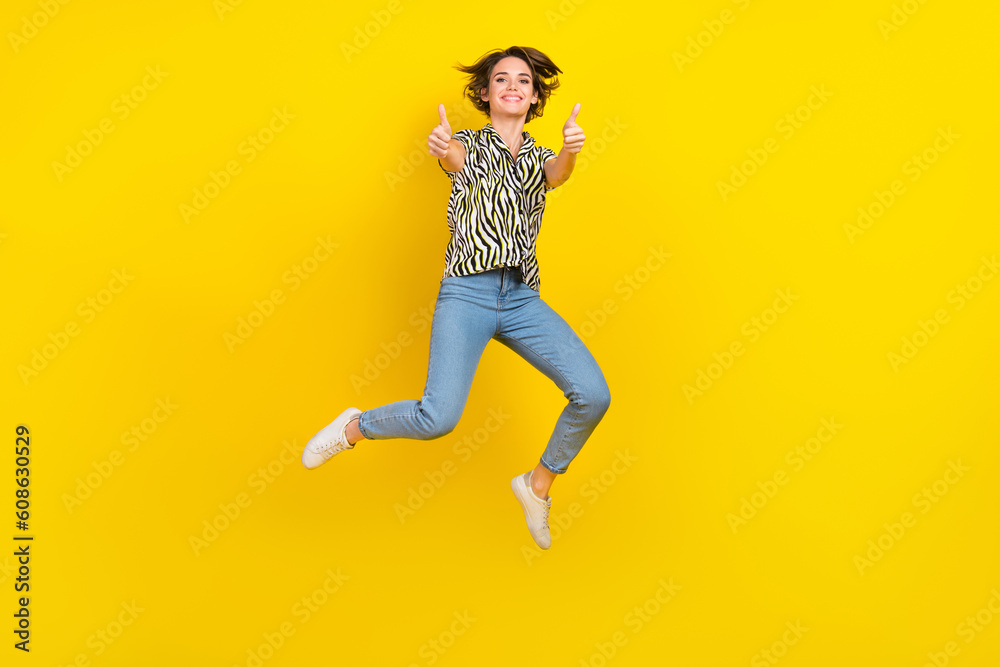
<point x="543" y="76"/>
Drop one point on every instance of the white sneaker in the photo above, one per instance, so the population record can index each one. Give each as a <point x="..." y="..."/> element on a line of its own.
<point x="330" y="441"/>
<point x="536" y="510"/>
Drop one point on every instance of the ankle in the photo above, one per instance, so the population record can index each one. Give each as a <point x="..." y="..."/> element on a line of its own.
<point x="540" y="491"/>
<point x="352" y="432"/>
<point x="538" y="485"/>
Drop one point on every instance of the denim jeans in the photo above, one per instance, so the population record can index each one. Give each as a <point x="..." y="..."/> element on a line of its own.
<point x="469" y="312"/>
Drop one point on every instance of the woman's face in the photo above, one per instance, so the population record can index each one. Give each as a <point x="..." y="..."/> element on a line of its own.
<point x="511" y="91"/>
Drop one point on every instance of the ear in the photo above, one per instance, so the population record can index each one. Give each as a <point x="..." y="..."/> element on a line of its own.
<point x="483" y="95"/>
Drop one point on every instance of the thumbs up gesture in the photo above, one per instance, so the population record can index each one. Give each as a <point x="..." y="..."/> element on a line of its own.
<point x="572" y="133"/>
<point x="437" y="142"/>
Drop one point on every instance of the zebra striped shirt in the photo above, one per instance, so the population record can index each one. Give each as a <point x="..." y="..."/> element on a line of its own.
<point x="495" y="207"/>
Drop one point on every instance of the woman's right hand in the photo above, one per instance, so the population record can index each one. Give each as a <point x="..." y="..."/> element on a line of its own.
<point x="440" y="136"/>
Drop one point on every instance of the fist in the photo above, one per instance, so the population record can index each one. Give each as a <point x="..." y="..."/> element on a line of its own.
<point x="572" y="134"/>
<point x="437" y="142"/>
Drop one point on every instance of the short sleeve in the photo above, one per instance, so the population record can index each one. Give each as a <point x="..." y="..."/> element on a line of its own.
<point x="547" y="154"/>
<point x="463" y="137"/>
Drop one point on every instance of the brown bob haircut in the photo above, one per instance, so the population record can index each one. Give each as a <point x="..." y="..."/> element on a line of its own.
<point x="543" y="76"/>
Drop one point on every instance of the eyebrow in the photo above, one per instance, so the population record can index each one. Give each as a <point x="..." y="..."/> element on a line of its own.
<point x="521" y="74"/>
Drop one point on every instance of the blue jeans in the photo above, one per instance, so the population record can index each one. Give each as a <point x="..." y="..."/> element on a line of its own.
<point x="469" y="312"/>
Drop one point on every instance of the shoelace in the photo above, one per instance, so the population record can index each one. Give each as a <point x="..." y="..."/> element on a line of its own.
<point x="336" y="445"/>
<point x="545" y="512"/>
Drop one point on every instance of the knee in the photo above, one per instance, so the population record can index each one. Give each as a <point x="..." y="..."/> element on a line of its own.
<point x="602" y="399"/>
<point x="594" y="401"/>
<point x="439" y="429"/>
<point x="438" y="424"/>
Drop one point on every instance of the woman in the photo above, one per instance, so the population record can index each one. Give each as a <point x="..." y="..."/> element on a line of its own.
<point x="490" y="286"/>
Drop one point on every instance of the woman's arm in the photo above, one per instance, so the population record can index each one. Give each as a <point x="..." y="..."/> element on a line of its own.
<point x="559" y="170"/>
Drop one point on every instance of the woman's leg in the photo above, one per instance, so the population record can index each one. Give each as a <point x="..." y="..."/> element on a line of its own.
<point x="353" y="432"/>
<point x="541" y="336"/>
<point x="541" y="480"/>
<point x="462" y="325"/>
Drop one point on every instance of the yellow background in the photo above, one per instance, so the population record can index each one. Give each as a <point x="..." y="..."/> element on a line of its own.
<point x="360" y="115"/>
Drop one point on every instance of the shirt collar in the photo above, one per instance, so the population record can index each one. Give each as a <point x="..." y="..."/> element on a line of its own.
<point x="491" y="133"/>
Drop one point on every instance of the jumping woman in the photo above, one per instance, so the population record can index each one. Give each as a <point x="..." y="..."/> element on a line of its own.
<point x="490" y="286"/>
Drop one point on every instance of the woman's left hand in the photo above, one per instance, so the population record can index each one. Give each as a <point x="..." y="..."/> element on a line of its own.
<point x="572" y="133"/>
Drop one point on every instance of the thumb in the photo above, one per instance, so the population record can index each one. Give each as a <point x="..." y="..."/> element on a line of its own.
<point x="443" y="116"/>
<point x="576" y="110"/>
